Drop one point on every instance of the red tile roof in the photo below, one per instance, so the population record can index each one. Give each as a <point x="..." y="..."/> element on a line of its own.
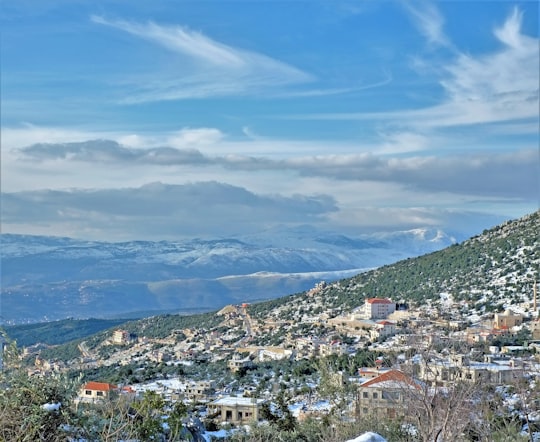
<point x="379" y="301"/>
<point x="99" y="386"/>
<point x="392" y="376"/>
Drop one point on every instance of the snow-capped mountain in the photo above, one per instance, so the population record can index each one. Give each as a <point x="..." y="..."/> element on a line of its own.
<point x="46" y="278"/>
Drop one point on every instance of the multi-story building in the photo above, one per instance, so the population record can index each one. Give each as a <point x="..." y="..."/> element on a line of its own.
<point x="122" y="337"/>
<point x="379" y="308"/>
<point x="382" y="329"/>
<point x="493" y="370"/>
<point x="238" y="363"/>
<point x="200" y="391"/>
<point x="385" y="395"/>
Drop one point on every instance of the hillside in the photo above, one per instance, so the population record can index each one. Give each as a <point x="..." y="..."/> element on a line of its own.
<point x="490" y="271"/>
<point x="59" y="332"/>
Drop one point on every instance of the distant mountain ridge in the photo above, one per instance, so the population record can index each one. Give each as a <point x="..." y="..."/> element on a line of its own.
<point x="50" y="278"/>
<point x="486" y="273"/>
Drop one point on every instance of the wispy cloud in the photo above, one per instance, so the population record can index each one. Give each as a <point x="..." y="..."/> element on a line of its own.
<point x="500" y="86"/>
<point x="505" y="83"/>
<point x="429" y="21"/>
<point x="212" y="69"/>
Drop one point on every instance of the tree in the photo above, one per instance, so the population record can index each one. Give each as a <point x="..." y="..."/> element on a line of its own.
<point x="147" y="415"/>
<point x="34" y="408"/>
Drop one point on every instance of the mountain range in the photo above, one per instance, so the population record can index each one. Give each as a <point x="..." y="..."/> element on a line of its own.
<point x="466" y="281"/>
<point x="51" y="278"/>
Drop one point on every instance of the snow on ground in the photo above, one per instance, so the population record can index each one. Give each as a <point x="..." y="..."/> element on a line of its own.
<point x="220" y="434"/>
<point x="53" y="406"/>
<point x="473" y="319"/>
<point x="161" y="385"/>
<point x="446" y="298"/>
<point x="369" y="437"/>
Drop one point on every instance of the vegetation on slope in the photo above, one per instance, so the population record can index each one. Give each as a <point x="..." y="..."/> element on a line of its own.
<point x="500" y="264"/>
<point x="58" y="332"/>
<point x="490" y="271"/>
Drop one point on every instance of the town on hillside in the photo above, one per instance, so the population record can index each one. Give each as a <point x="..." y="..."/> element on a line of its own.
<point x="382" y="359"/>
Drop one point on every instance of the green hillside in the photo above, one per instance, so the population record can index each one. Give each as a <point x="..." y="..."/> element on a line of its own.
<point x="492" y="270"/>
<point x="58" y="332"/>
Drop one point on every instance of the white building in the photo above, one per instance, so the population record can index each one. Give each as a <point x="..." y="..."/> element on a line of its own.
<point x="383" y="329"/>
<point x="379" y="308"/>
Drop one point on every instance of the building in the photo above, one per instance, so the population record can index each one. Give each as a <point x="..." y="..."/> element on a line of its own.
<point x="535" y="330"/>
<point x="123" y="337"/>
<point x="93" y="391"/>
<point x="238" y="363"/>
<point x="379" y="308"/>
<point x="235" y="410"/>
<point x="333" y="348"/>
<point x="98" y="391"/>
<point x="200" y="391"/>
<point x="493" y="370"/>
<point x="385" y="395"/>
<point x="273" y="354"/>
<point x="382" y="329"/>
<point x="507" y="320"/>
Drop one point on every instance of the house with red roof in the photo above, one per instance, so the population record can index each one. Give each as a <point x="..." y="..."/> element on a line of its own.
<point x="94" y="391"/>
<point x="382" y="329"/>
<point x="386" y="395"/>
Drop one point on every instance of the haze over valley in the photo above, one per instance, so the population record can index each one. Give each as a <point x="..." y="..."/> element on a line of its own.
<point x="50" y="278"/>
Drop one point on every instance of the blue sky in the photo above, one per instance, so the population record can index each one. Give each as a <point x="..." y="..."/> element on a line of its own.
<point x="159" y="120"/>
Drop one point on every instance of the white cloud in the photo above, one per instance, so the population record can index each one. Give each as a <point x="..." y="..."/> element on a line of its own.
<point x="27" y="134"/>
<point x="403" y="142"/>
<point x="194" y="137"/>
<point x="502" y="86"/>
<point x="428" y="20"/>
<point x="209" y="68"/>
<point x="182" y="40"/>
<point x="509" y="33"/>
<point x="506" y="83"/>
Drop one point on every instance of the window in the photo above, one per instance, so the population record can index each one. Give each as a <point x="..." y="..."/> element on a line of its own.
<point x="99" y="393"/>
<point x="375" y="396"/>
<point x="88" y="392"/>
<point x="390" y="395"/>
<point x="365" y="394"/>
